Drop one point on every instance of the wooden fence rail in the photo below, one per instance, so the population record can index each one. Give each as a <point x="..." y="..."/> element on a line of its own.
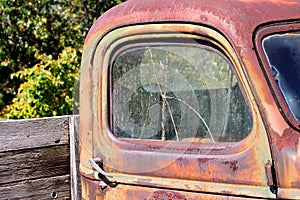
<point x="39" y="158"/>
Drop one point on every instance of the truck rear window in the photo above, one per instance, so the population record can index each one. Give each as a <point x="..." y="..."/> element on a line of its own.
<point x="283" y="54"/>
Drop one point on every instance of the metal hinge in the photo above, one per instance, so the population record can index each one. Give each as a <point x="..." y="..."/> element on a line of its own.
<point x="270" y="172"/>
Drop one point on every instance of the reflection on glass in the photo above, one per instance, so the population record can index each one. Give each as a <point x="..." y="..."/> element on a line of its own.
<point x="283" y="54"/>
<point x="181" y="93"/>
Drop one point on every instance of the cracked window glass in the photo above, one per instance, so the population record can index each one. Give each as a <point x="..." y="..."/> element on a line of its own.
<point x="179" y="93"/>
<point x="283" y="54"/>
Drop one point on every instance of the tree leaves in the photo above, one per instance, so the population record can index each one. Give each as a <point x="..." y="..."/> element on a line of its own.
<point x="40" y="49"/>
<point x="48" y="89"/>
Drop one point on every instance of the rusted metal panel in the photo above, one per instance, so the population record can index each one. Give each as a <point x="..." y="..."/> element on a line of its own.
<point x="92" y="191"/>
<point x="243" y="164"/>
<point x="282" y="127"/>
<point x="235" y="19"/>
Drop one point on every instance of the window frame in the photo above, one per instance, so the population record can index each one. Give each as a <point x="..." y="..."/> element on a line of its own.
<point x="171" y="31"/>
<point x="278" y="28"/>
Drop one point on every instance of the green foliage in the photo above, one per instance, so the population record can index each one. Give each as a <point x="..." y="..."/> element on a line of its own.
<point x="35" y="41"/>
<point x="48" y="89"/>
<point x="30" y="27"/>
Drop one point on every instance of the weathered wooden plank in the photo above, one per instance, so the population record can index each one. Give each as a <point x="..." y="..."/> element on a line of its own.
<point x="46" y="188"/>
<point x="34" y="163"/>
<point x="33" y="133"/>
<point x="74" y="158"/>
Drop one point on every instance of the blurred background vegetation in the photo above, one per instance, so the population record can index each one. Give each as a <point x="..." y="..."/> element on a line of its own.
<point x="40" y="53"/>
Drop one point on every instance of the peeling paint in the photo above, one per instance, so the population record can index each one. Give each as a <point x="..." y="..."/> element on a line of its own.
<point x="182" y="170"/>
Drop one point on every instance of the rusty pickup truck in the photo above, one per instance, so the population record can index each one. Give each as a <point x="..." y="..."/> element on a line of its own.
<point x="192" y="99"/>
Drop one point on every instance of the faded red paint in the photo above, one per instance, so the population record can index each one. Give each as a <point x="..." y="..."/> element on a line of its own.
<point x="238" y="165"/>
<point x="167" y="195"/>
<point x="283" y="132"/>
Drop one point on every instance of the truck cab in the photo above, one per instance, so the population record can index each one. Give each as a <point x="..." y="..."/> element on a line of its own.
<point x="192" y="99"/>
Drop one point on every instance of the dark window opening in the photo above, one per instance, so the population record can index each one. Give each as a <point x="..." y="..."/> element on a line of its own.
<point x="283" y="54"/>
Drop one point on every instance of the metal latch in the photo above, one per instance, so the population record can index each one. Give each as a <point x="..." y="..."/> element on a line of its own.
<point x="96" y="163"/>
